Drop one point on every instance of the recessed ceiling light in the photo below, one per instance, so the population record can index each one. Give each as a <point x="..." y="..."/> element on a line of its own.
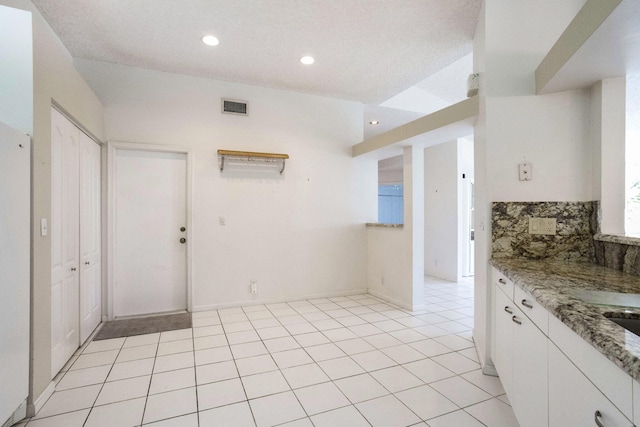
<point x="307" y="60"/>
<point x="210" y="41"/>
<point x="374" y="122"/>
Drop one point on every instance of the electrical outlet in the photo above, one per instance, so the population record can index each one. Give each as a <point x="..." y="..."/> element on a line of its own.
<point x="549" y="226"/>
<point x="382" y="280"/>
<point x="254" y="287"/>
<point x="545" y="226"/>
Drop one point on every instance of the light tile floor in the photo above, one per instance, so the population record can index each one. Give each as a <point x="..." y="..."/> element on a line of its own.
<point x="346" y="361"/>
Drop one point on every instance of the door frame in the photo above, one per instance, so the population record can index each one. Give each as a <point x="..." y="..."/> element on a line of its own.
<point x="112" y="148"/>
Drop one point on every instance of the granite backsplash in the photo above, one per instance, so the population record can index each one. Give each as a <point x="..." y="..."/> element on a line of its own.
<point x="576" y="224"/>
<point x="618" y="252"/>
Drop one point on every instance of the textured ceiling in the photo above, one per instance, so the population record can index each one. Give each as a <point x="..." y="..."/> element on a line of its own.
<point x="365" y="50"/>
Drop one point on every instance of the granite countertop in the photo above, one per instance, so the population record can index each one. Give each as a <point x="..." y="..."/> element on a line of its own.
<point x="549" y="281"/>
<point x="382" y="225"/>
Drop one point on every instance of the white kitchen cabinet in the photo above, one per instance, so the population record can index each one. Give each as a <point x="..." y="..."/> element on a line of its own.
<point x="503" y="333"/>
<point x="552" y="376"/>
<point x="520" y="357"/>
<point x="532" y="309"/>
<point x="636" y="402"/>
<point x="530" y="366"/>
<point x="603" y="373"/>
<point x="574" y="400"/>
<point x="501" y="281"/>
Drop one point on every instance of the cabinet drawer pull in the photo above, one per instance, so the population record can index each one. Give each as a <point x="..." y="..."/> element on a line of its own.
<point x="502" y="281"/>
<point x="507" y="309"/>
<point x="526" y="303"/>
<point x="516" y="320"/>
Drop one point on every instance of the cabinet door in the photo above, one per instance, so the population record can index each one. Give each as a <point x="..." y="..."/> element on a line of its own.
<point x="574" y="400"/>
<point x="503" y="357"/>
<point x="530" y="383"/>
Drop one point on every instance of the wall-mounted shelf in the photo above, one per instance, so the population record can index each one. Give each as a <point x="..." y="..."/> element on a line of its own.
<point x="249" y="155"/>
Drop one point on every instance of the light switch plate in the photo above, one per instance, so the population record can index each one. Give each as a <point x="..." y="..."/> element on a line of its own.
<point x="546" y="226"/>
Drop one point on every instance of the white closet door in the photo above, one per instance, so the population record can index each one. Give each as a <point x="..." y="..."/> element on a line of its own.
<point x="64" y="241"/>
<point x="90" y="239"/>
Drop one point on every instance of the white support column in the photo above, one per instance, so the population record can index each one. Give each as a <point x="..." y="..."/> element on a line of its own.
<point x="414" y="219"/>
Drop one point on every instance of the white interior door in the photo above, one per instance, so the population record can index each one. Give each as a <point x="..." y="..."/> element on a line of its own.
<point x="150" y="273"/>
<point x="90" y="237"/>
<point x="64" y="240"/>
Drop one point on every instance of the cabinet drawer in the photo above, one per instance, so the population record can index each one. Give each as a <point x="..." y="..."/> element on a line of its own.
<point x="603" y="373"/>
<point x="532" y="309"/>
<point x="502" y="282"/>
<point x="574" y="400"/>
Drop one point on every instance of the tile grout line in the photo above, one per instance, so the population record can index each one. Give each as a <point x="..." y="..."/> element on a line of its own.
<point x="398" y="314"/>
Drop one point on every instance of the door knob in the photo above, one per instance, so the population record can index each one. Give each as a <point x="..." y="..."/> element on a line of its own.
<point x="73" y="269"/>
<point x="182" y="240"/>
<point x="87" y="263"/>
<point x="182" y="229"/>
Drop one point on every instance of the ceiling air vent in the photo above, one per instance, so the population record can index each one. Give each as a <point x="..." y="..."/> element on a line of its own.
<point x="230" y="106"/>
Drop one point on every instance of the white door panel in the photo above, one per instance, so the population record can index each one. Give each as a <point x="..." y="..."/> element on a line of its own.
<point x="64" y="241"/>
<point x="75" y="228"/>
<point x="150" y="208"/>
<point x="90" y="237"/>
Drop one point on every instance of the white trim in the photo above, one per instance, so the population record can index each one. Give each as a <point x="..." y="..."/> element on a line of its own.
<point x="393" y="300"/>
<point x="487" y="368"/>
<point x="112" y="147"/>
<point x="34" y="408"/>
<point x="60" y="109"/>
<point x="246" y="303"/>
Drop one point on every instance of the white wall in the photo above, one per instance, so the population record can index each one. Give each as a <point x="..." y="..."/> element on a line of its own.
<point x="552" y="132"/>
<point x="16" y="69"/>
<point x="444" y="236"/>
<point x="390" y="176"/>
<point x="466" y="168"/>
<point x="390" y="265"/>
<point x="416" y="99"/>
<point x="298" y="235"/>
<point x="54" y="79"/>
<point x="609" y="105"/>
<point x="396" y="255"/>
<point x="441" y="211"/>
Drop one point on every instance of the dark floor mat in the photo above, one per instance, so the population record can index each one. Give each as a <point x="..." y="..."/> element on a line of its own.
<point x="145" y="325"/>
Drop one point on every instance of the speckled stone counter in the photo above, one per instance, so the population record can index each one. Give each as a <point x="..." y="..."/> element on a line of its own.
<point x="548" y="281"/>
<point x="380" y="225"/>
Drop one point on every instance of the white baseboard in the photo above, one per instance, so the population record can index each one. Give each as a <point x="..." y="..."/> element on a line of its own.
<point x="359" y="291"/>
<point x="487" y="368"/>
<point x="19" y="414"/>
<point x="421" y="307"/>
<point x="391" y="300"/>
<point x="33" y="408"/>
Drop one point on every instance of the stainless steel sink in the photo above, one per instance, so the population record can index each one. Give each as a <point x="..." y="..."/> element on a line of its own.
<point x="607" y="298"/>
<point x="631" y="325"/>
